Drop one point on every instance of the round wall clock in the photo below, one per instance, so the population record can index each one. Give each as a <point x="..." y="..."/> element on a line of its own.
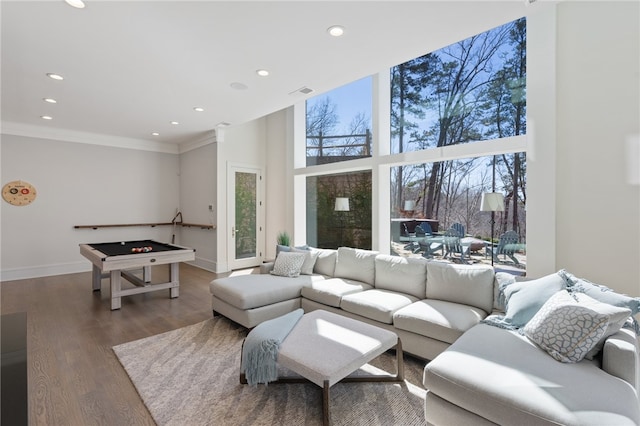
<point x="19" y="193"/>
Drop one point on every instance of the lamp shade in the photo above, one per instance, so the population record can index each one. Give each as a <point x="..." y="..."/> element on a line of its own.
<point x="409" y="205"/>
<point x="492" y="202"/>
<point x="342" y="204"/>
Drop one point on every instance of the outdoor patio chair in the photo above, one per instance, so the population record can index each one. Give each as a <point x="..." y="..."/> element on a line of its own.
<point x="453" y="244"/>
<point x="426" y="228"/>
<point x="459" y="228"/>
<point x="420" y="232"/>
<point x="507" y="246"/>
<point x="429" y="246"/>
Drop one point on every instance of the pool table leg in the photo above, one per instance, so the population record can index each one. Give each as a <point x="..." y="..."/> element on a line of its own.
<point x="174" y="269"/>
<point x="96" y="278"/>
<point x="116" y="287"/>
<point x="146" y="274"/>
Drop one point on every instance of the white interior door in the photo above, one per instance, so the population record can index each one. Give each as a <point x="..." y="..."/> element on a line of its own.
<point x="245" y="216"/>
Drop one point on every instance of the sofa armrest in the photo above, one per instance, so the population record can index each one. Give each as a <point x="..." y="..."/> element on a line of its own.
<point x="266" y="267"/>
<point x="621" y="357"/>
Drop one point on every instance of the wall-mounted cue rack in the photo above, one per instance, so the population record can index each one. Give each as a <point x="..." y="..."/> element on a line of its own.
<point x="183" y="224"/>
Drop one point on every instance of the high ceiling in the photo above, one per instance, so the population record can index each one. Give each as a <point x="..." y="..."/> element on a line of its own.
<point x="132" y="67"/>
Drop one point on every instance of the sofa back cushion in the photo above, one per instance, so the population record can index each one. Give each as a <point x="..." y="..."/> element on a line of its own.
<point x="467" y="284"/>
<point x="356" y="264"/>
<point x="325" y="262"/>
<point x="401" y="274"/>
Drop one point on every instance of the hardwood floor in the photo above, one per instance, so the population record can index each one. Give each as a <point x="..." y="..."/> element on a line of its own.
<point x="74" y="376"/>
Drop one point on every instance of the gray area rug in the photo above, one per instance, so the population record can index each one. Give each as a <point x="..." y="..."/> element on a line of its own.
<point x="190" y="376"/>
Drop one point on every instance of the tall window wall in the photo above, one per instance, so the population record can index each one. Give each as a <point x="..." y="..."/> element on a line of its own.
<point x="339" y="124"/>
<point x="447" y="109"/>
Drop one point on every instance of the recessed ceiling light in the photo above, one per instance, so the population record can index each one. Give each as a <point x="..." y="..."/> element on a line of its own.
<point x="50" y="100"/>
<point x="78" y="4"/>
<point x="199" y="109"/>
<point x="336" y="30"/>
<point x="155" y="134"/>
<point x="175" y="123"/>
<point x="239" y="86"/>
<point x="262" y="73"/>
<point x="46" y="117"/>
<point x="55" y="76"/>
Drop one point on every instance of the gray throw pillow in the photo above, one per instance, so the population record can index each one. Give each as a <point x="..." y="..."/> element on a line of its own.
<point x="288" y="264"/>
<point x="601" y="293"/>
<point x="525" y="298"/>
<point x="502" y="281"/>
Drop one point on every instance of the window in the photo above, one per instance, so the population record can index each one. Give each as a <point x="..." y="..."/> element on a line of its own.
<point x="457" y="187"/>
<point x="469" y="91"/>
<point x="339" y="124"/>
<point x="462" y="95"/>
<point x="345" y="223"/>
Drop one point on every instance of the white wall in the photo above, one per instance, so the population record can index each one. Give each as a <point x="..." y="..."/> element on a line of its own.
<point x="279" y="178"/>
<point x="80" y="184"/>
<point x="197" y="192"/>
<point x="598" y="112"/>
<point x="242" y="144"/>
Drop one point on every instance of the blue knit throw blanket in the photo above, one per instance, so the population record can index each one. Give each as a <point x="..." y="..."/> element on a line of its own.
<point x="260" y="349"/>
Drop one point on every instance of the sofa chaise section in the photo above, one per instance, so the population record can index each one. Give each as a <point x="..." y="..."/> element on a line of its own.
<point x="496" y="376"/>
<point x="251" y="299"/>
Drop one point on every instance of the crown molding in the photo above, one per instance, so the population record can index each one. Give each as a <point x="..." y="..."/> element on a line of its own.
<point x="66" y="135"/>
<point x="209" y="137"/>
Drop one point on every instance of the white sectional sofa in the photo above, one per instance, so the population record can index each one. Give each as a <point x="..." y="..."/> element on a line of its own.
<point x="480" y="373"/>
<point x="428" y="304"/>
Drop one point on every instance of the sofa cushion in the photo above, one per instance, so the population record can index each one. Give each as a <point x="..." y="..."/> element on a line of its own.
<point x="252" y="291"/>
<point x="403" y="274"/>
<point x="325" y="262"/>
<point x="330" y="291"/>
<point x="356" y="264"/>
<point x="502" y="376"/>
<point x="438" y="319"/>
<point x="467" y="284"/>
<point x="379" y="305"/>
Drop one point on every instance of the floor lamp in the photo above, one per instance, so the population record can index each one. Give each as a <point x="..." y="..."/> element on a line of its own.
<point x="342" y="205"/>
<point x="492" y="202"/>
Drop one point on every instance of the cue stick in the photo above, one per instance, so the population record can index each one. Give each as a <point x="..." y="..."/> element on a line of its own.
<point x="174" y="221"/>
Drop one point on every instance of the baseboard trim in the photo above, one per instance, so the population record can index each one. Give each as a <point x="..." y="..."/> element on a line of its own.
<point x="44" y="271"/>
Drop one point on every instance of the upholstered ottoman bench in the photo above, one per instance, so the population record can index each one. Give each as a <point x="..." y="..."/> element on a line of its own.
<point x="325" y="348"/>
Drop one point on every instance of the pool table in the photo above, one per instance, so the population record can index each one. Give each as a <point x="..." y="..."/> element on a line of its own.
<point x="116" y="259"/>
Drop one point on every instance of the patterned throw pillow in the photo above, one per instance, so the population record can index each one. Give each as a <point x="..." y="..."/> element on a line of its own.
<point x="566" y="329"/>
<point x="288" y="264"/>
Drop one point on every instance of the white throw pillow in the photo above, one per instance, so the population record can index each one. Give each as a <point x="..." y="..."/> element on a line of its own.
<point x="310" y="258"/>
<point x="288" y="264"/>
<point x="617" y="317"/>
<point x="566" y="328"/>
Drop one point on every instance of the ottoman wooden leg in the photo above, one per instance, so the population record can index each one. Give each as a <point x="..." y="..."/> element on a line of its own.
<point x="326" y="414"/>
